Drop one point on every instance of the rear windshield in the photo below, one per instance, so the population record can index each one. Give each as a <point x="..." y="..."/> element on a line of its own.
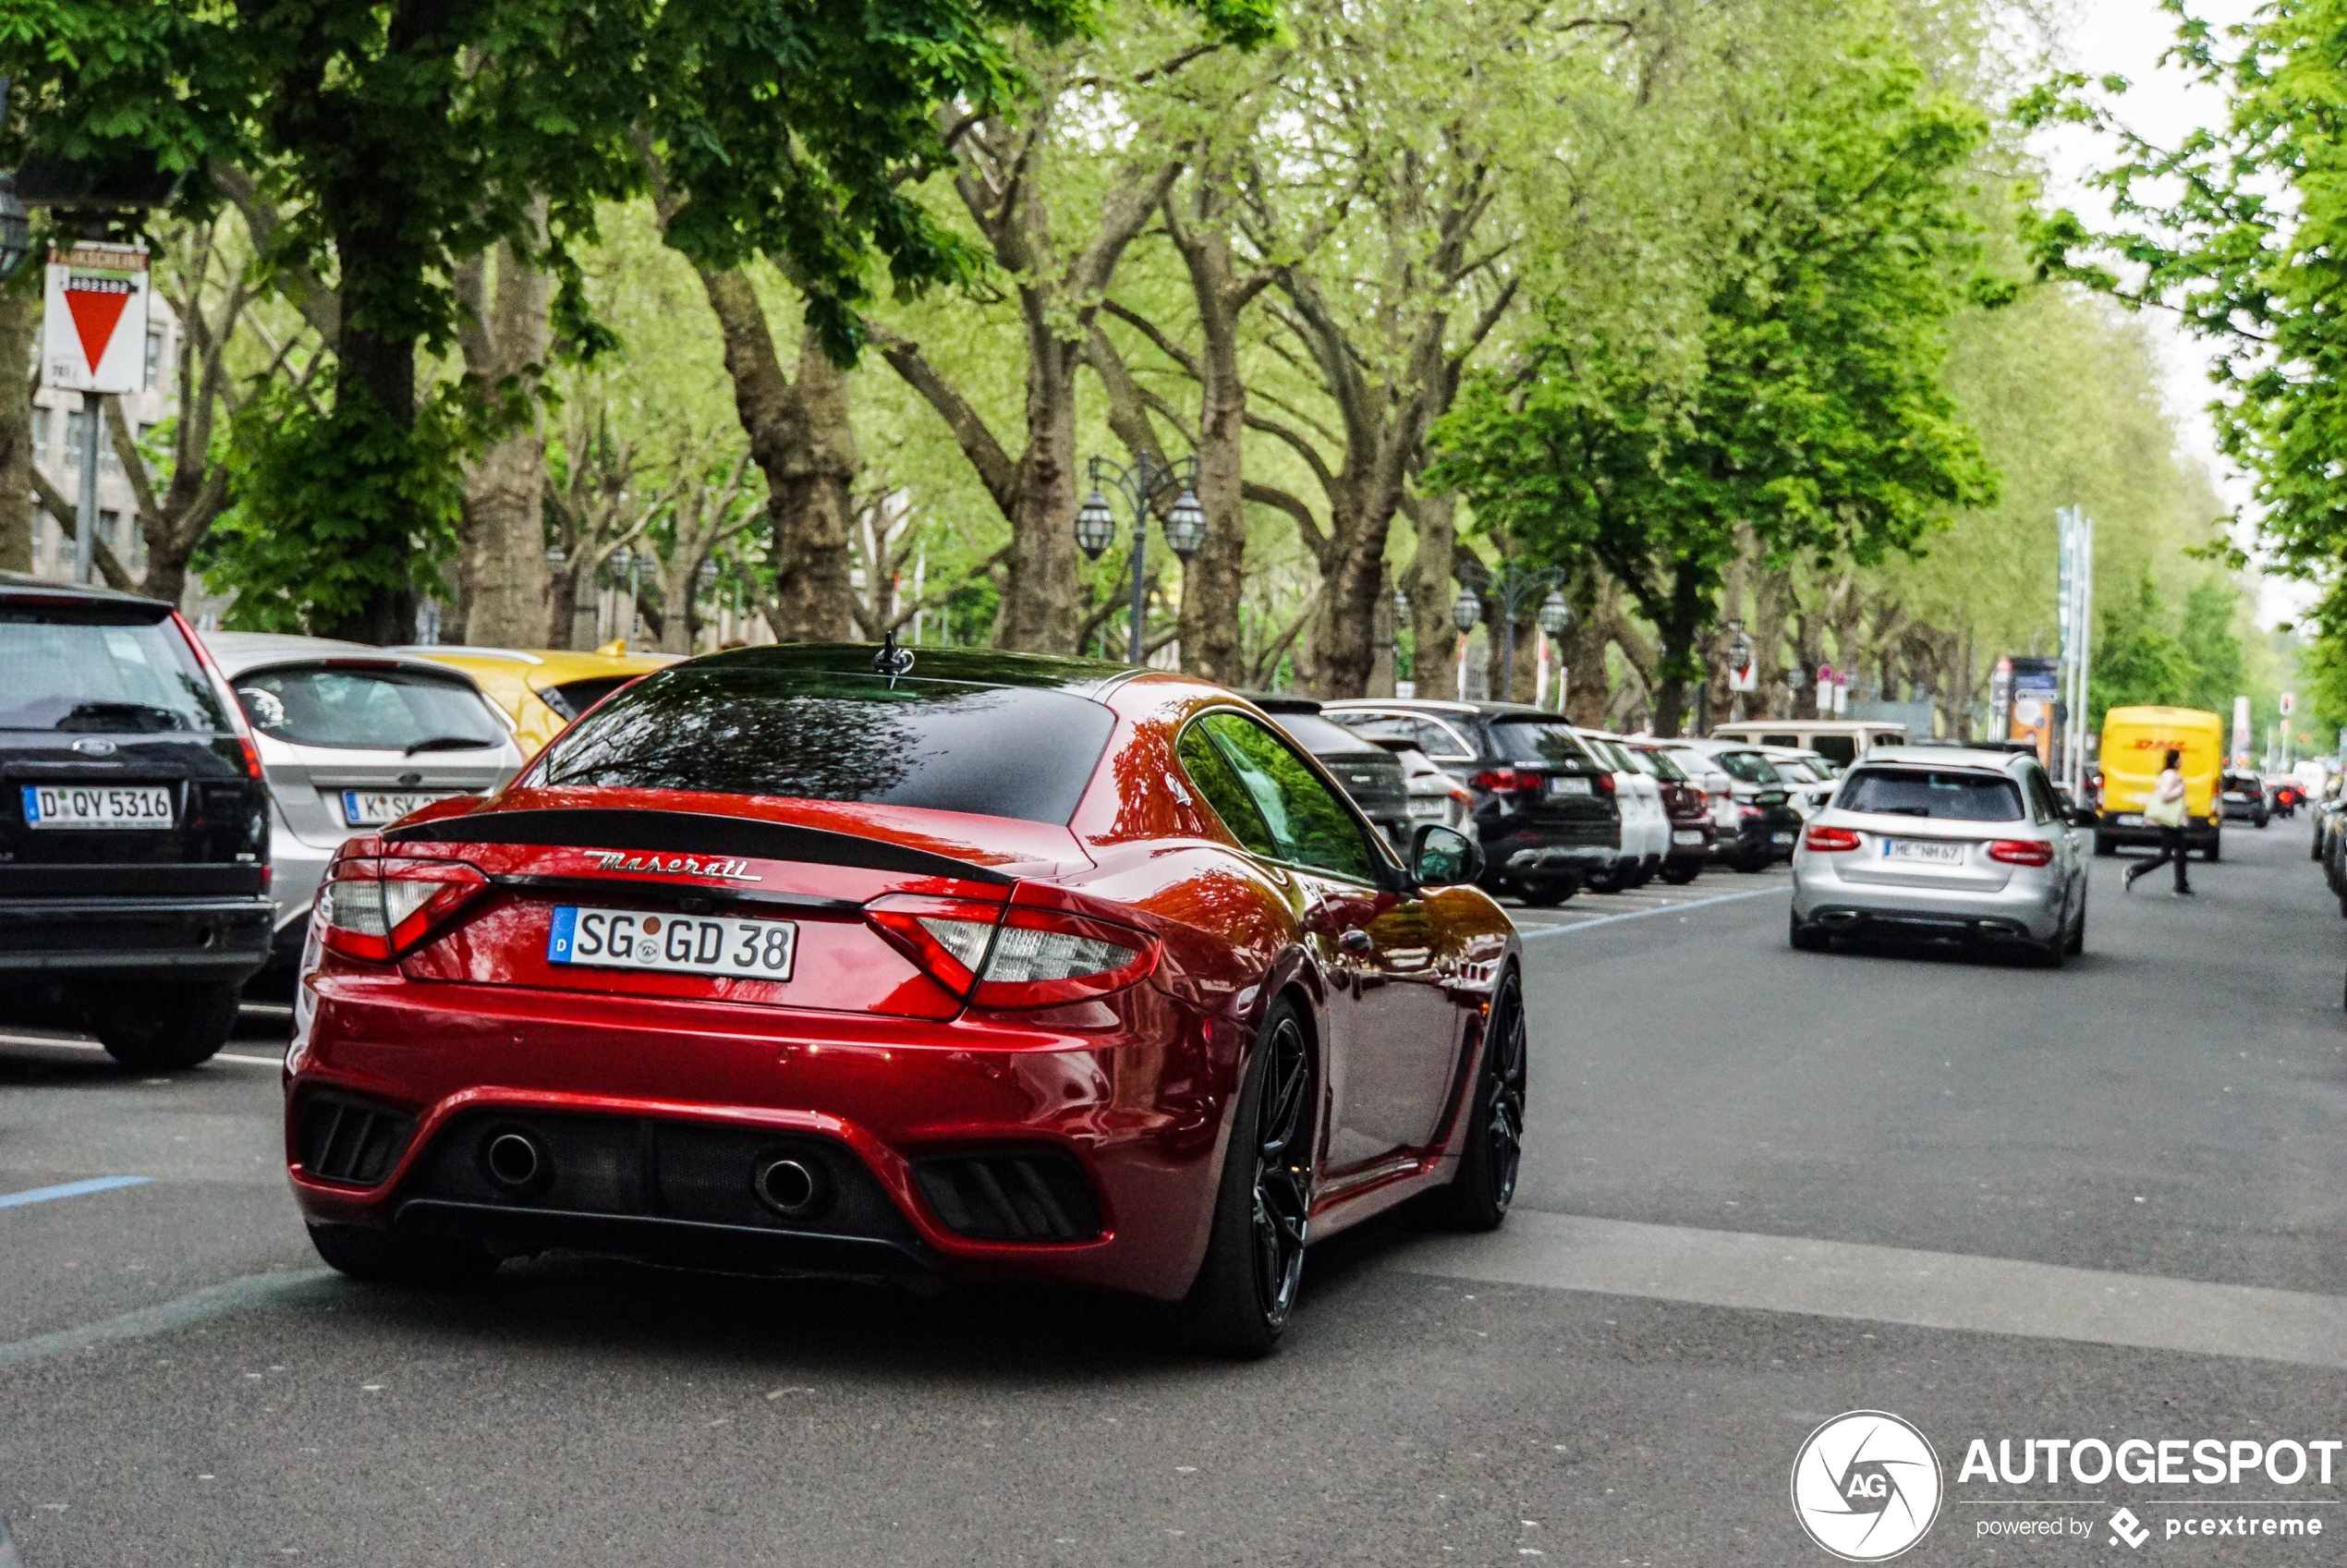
<point x="1926" y="792"/>
<point x="1747" y="767"/>
<point x="347" y="709"/>
<point x="1539" y="741"/>
<point x="1655" y="763"/>
<point x="1841" y="748"/>
<point x="100" y="671"/>
<point x="1322" y="739"/>
<point x="817" y="735"/>
<point x="574" y="698"/>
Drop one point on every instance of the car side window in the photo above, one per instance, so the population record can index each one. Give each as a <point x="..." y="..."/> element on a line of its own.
<point x="1303" y="816"/>
<point x="2041" y="798"/>
<point x="1228" y="798"/>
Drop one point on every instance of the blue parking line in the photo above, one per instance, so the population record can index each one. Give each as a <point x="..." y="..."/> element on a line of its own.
<point x="1642" y="913"/>
<point x="70" y="1189"/>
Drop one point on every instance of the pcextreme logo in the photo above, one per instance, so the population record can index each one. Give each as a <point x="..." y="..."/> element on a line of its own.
<point x="1866" y="1485"/>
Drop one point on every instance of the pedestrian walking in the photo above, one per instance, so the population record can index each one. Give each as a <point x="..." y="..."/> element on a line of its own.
<point x="2165" y="812"/>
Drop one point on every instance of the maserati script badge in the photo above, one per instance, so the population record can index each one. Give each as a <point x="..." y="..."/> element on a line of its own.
<point x="676" y="865"/>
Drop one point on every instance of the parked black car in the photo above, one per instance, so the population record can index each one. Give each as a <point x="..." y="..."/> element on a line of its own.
<point x="134" y="834"/>
<point x="1544" y="807"/>
<point x="1371" y="774"/>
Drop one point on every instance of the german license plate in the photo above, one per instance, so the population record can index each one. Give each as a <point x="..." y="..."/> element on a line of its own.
<point x="678" y="945"/>
<point x="1928" y="852"/>
<point x="374" y="807"/>
<point x="1687" y="836"/>
<point x="100" y="806"/>
<point x="1427" y="808"/>
<point x="1569" y="785"/>
<point x="1779" y="838"/>
<point x="2131" y="819"/>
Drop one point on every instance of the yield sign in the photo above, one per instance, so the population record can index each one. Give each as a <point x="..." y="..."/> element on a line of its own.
<point x="94" y="327"/>
<point x="95" y="304"/>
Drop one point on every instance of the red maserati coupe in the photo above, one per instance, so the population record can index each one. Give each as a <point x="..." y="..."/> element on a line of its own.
<point x="796" y="960"/>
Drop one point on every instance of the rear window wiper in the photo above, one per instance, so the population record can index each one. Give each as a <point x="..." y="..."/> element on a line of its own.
<point x="449" y="742"/>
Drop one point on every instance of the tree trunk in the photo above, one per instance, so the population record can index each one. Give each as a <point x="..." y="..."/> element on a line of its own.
<point x="501" y="568"/>
<point x="20" y="320"/>
<point x="1434" y="668"/>
<point x="1680" y="628"/>
<point x="812" y="505"/>
<point x="381" y="370"/>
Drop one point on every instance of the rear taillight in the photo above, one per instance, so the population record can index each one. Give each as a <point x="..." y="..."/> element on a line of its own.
<point x="370" y="908"/>
<point x="1830" y="841"/>
<point x="252" y="759"/>
<point x="2021" y="852"/>
<point x="1024" y="957"/>
<point x="1604" y="783"/>
<point x="1506" y="781"/>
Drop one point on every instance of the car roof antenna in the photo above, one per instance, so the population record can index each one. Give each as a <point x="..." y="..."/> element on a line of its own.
<point x="892" y="661"/>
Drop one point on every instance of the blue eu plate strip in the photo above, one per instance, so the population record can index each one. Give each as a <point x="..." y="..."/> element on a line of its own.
<point x="558" y="942"/>
<point x="32" y="805"/>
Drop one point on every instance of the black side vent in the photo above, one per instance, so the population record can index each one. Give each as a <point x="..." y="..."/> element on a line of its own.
<point x="1022" y="1195"/>
<point x="351" y="1140"/>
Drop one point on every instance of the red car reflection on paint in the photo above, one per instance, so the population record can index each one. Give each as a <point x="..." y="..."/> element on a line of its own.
<point x="795" y="960"/>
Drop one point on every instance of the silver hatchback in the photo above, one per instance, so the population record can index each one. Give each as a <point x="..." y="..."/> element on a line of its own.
<point x="353" y="737"/>
<point x="1942" y="844"/>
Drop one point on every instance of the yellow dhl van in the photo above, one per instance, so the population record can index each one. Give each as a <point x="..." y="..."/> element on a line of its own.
<point x="2134" y="742"/>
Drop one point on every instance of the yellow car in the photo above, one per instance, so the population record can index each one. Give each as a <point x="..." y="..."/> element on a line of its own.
<point x="543" y="689"/>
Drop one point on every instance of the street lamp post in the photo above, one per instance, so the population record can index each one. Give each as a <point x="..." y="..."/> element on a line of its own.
<point x="1141" y="485"/>
<point x="1512" y="585"/>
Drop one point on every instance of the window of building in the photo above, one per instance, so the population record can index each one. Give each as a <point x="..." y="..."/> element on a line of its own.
<point x="40" y="437"/>
<point x="154" y="355"/>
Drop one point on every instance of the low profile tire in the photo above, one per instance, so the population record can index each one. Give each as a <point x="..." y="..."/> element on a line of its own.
<point x="2077" y="942"/>
<point x="162" y="1028"/>
<point x="1680" y="876"/>
<point x="1254" y="1262"/>
<point x="381" y="1258"/>
<point x="1805" y="937"/>
<point x="2053" y="955"/>
<point x="1752" y="865"/>
<point x="1608" y="880"/>
<point x="1547" y="893"/>
<point x="1484" y="1185"/>
<point x="2214" y="845"/>
<point x="2107" y="845"/>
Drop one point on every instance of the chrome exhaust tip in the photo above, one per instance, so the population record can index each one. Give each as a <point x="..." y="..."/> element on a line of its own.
<point x="514" y="1160"/>
<point x="790" y="1187"/>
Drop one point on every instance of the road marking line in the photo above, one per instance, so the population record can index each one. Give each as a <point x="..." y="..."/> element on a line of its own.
<point x="86" y="1045"/>
<point x="1894" y="1284"/>
<point x="70" y="1189"/>
<point x="212" y="1301"/>
<point x="1642" y="913"/>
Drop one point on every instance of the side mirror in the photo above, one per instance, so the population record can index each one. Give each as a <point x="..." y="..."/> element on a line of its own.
<point x="1441" y="857"/>
<point x="2082" y="815"/>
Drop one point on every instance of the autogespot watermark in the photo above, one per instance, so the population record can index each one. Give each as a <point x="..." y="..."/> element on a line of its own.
<point x="1867" y="1486"/>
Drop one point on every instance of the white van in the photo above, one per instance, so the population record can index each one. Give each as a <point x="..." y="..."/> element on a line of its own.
<point x="1838" y="741"/>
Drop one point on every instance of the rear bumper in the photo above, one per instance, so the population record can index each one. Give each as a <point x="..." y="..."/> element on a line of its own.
<point x="134" y="939"/>
<point x="2199" y="831"/>
<point x="655" y="1115"/>
<point x="2027" y="908"/>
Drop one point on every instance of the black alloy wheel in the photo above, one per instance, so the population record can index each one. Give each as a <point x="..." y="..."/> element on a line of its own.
<point x="1246" y="1284"/>
<point x="1547" y="893"/>
<point x="1282" y="1210"/>
<point x="1484" y="1185"/>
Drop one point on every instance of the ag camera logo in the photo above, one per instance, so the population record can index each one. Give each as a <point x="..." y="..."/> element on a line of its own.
<point x="1866" y="1485"/>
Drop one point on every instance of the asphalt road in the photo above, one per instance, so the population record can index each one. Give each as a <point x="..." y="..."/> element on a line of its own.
<point x="1762" y="1188"/>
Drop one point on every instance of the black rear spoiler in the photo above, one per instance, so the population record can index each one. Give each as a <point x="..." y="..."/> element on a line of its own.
<point x="689" y="833"/>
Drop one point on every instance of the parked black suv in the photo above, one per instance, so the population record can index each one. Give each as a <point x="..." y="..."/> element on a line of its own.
<point x="134" y="831"/>
<point x="1544" y="807"/>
